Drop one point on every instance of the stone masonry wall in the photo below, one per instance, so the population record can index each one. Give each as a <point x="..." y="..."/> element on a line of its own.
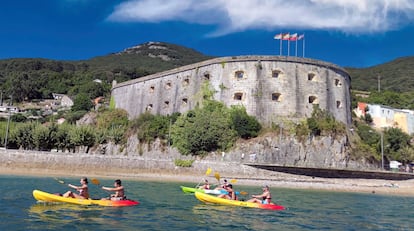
<point x="244" y="80"/>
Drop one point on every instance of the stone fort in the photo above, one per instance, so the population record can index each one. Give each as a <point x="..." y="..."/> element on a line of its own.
<point x="269" y="87"/>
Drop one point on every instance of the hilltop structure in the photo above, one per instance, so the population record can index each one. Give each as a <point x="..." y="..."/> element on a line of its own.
<point x="269" y="87"/>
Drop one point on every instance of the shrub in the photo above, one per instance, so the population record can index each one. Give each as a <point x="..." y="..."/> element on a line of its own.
<point x="183" y="163"/>
<point x="203" y="130"/>
<point x="246" y="126"/>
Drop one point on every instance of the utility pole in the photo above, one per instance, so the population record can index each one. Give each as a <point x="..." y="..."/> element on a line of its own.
<point x="382" y="150"/>
<point x="379" y="83"/>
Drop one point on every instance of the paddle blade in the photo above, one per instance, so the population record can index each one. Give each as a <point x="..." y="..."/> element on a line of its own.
<point x="217" y="176"/>
<point x="60" y="181"/>
<point x="208" y="171"/>
<point x="244" y="193"/>
<point x="233" y="181"/>
<point x="95" y="181"/>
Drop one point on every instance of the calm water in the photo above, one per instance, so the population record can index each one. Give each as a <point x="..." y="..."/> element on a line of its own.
<point x="164" y="207"/>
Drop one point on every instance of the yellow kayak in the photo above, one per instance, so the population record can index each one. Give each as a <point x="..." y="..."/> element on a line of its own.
<point x="48" y="197"/>
<point x="216" y="200"/>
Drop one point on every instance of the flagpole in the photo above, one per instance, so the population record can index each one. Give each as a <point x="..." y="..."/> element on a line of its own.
<point x="296" y="48"/>
<point x="288" y="46"/>
<point x="280" y="49"/>
<point x="303" y="47"/>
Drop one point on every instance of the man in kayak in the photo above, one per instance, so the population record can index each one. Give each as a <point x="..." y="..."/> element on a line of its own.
<point x="118" y="189"/>
<point x="83" y="190"/>
<point x="231" y="194"/>
<point x="205" y="186"/>
<point x="264" y="198"/>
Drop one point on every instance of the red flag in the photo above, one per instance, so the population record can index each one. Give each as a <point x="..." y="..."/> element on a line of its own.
<point x="293" y="37"/>
<point x="301" y="36"/>
<point x="278" y="36"/>
<point x="286" y="36"/>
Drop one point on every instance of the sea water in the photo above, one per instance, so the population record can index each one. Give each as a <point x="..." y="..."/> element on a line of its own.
<point x="165" y="207"/>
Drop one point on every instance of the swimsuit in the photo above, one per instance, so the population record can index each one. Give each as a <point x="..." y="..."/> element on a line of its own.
<point x="265" y="200"/>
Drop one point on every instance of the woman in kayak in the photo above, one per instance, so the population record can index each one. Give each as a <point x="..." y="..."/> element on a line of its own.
<point x="264" y="198"/>
<point x="118" y="189"/>
<point x="205" y="186"/>
<point x="231" y="194"/>
<point x="83" y="190"/>
<point x="222" y="186"/>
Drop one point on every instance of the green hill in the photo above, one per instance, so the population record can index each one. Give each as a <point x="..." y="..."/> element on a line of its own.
<point x="397" y="75"/>
<point x="27" y="79"/>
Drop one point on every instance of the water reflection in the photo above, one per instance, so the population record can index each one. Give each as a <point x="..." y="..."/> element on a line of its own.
<point x="232" y="217"/>
<point x="66" y="215"/>
<point x="62" y="212"/>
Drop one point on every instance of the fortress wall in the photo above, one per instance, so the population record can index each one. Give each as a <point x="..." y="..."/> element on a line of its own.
<point x="244" y="80"/>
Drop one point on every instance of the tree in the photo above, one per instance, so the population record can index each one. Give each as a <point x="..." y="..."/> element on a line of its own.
<point x="82" y="103"/>
<point x="23" y="135"/>
<point x="41" y="138"/>
<point x="245" y="125"/>
<point x="82" y="136"/>
<point x="112" y="119"/>
<point x="62" y="137"/>
<point x="204" y="130"/>
<point x="395" y="140"/>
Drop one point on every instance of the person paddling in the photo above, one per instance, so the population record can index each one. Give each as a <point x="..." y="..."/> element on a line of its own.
<point x="83" y="190"/>
<point x="118" y="189"/>
<point x="206" y="185"/>
<point x="264" y="198"/>
<point x="231" y="194"/>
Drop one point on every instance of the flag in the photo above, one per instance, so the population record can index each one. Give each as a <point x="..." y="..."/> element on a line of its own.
<point x="302" y="36"/>
<point x="293" y="37"/>
<point x="286" y="36"/>
<point x="278" y="36"/>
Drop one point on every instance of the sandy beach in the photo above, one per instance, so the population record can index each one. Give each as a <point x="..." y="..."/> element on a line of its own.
<point x="279" y="180"/>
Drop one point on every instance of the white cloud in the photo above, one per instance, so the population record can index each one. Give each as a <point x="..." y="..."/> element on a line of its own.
<point x="350" y="16"/>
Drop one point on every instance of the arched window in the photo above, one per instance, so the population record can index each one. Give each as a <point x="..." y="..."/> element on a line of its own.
<point x="186" y="82"/>
<point x="149" y="107"/>
<point x="206" y="76"/>
<point x="311" y="77"/>
<point x="184" y="101"/>
<point x="168" y="85"/>
<point x="238" y="96"/>
<point x="276" y="97"/>
<point x="338" y="104"/>
<point x="338" y="83"/>
<point x="313" y="99"/>
<point x="152" y="89"/>
<point x="276" y="74"/>
<point x="239" y="74"/>
<point x="166" y="104"/>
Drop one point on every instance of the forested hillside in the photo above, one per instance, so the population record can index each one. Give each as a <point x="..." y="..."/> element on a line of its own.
<point x="27" y="79"/>
<point x="397" y="76"/>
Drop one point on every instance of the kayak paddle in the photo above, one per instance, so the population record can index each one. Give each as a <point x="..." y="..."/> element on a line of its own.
<point x="95" y="181"/>
<point x="217" y="176"/>
<point x="60" y="181"/>
<point x="208" y="171"/>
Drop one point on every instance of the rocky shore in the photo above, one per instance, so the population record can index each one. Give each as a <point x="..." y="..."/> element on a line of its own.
<point x="138" y="168"/>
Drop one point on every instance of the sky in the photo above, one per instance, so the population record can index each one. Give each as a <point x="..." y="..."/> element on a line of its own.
<point x="349" y="33"/>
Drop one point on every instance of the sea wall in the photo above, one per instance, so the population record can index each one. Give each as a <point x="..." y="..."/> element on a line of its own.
<point x="134" y="159"/>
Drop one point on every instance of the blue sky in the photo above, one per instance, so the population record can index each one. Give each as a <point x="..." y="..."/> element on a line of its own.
<point x="356" y="33"/>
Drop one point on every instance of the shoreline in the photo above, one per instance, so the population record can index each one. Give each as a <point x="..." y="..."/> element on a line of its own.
<point x="288" y="181"/>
